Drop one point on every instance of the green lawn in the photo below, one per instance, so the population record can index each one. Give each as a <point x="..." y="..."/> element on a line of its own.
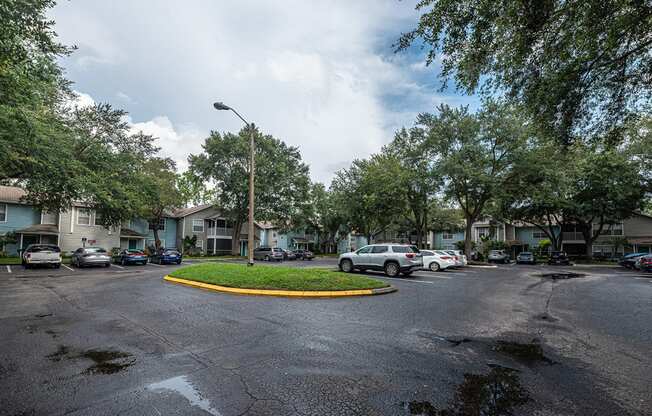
<point x="272" y="277"/>
<point x="9" y="260"/>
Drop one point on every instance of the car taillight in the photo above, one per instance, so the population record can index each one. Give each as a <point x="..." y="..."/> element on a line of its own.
<point x="410" y="255"/>
<point x="445" y="257"/>
<point x="29" y="255"/>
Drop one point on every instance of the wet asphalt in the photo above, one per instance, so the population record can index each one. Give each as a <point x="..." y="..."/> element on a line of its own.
<point x="475" y="341"/>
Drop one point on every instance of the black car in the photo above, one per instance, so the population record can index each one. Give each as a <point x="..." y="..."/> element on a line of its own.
<point x="166" y="256"/>
<point x="559" y="257"/>
<point x="304" y="254"/>
<point x="525" y="257"/>
<point x="125" y="257"/>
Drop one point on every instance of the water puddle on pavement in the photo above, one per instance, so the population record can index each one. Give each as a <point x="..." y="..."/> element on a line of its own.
<point x="182" y="385"/>
<point x="526" y="353"/>
<point x="494" y="394"/>
<point x="105" y="361"/>
<point x="561" y="275"/>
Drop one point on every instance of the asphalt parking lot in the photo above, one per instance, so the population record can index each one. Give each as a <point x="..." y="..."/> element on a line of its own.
<point x="470" y="341"/>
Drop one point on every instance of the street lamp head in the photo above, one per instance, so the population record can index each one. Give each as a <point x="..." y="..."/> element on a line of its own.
<point x="221" y="106"/>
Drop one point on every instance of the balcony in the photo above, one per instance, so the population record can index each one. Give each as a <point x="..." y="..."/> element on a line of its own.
<point x="219" y="231"/>
<point x="572" y="236"/>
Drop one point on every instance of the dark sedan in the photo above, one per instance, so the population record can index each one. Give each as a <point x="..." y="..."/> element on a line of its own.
<point x="166" y="256"/>
<point x="559" y="257"/>
<point x="525" y="257"/>
<point x="125" y="257"/>
<point x="304" y="254"/>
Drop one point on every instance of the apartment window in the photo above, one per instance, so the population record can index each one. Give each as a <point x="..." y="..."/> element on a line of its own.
<point x="3" y="212"/>
<point x="200" y="244"/>
<point x="49" y="218"/>
<point x="161" y="225"/>
<point x="447" y="236"/>
<point x="98" y="219"/>
<point x="83" y="216"/>
<point x="538" y="235"/>
<point x="610" y="229"/>
<point x="483" y="232"/>
<point x="197" y="226"/>
<point x="220" y="223"/>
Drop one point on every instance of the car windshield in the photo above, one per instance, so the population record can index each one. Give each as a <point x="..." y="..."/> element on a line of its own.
<point x="526" y="253"/>
<point x="43" y="247"/>
<point x="171" y="252"/>
<point x="496" y="252"/>
<point x="95" y="250"/>
<point x="278" y="250"/>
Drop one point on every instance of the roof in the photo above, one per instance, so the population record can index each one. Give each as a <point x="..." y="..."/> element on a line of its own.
<point x="11" y="194"/>
<point x="46" y="229"/>
<point x="184" y="212"/>
<point x="126" y="232"/>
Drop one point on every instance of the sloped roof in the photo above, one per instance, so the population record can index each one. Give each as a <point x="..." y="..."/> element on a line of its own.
<point x="126" y="232"/>
<point x="46" y="229"/>
<point x="11" y="194"/>
<point x="184" y="212"/>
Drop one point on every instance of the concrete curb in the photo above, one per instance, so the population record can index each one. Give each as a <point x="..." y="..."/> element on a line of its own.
<point x="284" y="293"/>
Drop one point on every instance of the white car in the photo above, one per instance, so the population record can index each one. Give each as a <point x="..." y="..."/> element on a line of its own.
<point x="437" y="260"/>
<point x="460" y="258"/>
<point x="41" y="254"/>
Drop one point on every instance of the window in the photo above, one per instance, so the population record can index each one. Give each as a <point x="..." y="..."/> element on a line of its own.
<point x="538" y="235"/>
<point x="427" y="253"/>
<point x="200" y="244"/>
<point x="610" y="229"/>
<point x="3" y="212"/>
<point x="220" y="223"/>
<point x="97" y="220"/>
<point x="405" y="249"/>
<point x="364" y="250"/>
<point x="483" y="232"/>
<point x="161" y="225"/>
<point x="379" y="249"/>
<point x="83" y="216"/>
<point x="197" y="226"/>
<point x="447" y="235"/>
<point x="49" y="217"/>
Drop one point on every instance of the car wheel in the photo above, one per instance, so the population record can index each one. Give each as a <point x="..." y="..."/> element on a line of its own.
<point x="392" y="269"/>
<point x="178" y="261"/>
<point x="58" y="265"/>
<point x="346" y="266"/>
<point x="434" y="266"/>
<point x="266" y="258"/>
<point x="107" y="264"/>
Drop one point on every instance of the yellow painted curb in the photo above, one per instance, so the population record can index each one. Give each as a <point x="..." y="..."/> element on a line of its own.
<point x="288" y="293"/>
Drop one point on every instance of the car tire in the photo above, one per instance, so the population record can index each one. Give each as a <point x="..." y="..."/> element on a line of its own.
<point x="434" y="267"/>
<point x="58" y="265"/>
<point x="107" y="264"/>
<point x="346" y="266"/>
<point x="266" y="258"/>
<point x="392" y="269"/>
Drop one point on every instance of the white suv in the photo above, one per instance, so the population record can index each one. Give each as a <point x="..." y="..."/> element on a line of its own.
<point x="390" y="258"/>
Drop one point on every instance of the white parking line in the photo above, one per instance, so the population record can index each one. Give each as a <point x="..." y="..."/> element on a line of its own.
<point x="404" y="279"/>
<point x="119" y="267"/>
<point x="8" y="269"/>
<point x="71" y="269"/>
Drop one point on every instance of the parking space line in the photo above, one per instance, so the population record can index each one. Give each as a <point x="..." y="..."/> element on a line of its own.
<point x="69" y="268"/>
<point x="8" y="269"/>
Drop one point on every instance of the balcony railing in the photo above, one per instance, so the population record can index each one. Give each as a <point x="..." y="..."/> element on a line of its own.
<point x="214" y="231"/>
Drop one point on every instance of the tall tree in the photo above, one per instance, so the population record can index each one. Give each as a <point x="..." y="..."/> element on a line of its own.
<point x="160" y="194"/>
<point x="281" y="181"/>
<point x="574" y="64"/>
<point x="473" y="154"/>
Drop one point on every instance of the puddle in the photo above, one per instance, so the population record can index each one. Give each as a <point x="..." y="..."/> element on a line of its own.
<point x="561" y="275"/>
<point x="529" y="354"/>
<point x="494" y="394"/>
<point x="183" y="386"/>
<point x="545" y="317"/>
<point x="105" y="361"/>
<point x="45" y="315"/>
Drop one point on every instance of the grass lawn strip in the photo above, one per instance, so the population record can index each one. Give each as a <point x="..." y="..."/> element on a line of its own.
<point x="275" y="278"/>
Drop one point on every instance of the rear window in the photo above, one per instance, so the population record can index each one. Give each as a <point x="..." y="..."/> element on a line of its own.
<point x="379" y="249"/>
<point x="40" y="248"/>
<point x="95" y="250"/>
<point x="405" y="249"/>
<point x="427" y="253"/>
<point x="441" y="253"/>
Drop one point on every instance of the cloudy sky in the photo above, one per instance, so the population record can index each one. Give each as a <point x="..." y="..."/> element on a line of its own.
<point x="320" y="75"/>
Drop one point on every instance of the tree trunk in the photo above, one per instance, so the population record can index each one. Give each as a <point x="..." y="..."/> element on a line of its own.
<point x="467" y="237"/>
<point x="588" y="241"/>
<point x="157" y="242"/>
<point x="235" y="238"/>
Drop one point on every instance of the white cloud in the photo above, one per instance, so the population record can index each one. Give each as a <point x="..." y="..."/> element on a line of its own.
<point x="82" y="100"/>
<point x="314" y="74"/>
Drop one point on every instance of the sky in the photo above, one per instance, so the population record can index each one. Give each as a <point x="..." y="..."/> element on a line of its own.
<point x="319" y="75"/>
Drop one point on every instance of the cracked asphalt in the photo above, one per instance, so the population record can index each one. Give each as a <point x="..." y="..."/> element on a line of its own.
<point x="121" y="341"/>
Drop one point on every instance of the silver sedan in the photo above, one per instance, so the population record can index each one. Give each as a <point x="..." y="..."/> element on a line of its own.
<point x="90" y="256"/>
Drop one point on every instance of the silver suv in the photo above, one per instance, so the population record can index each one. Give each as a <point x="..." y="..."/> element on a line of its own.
<point x="390" y="258"/>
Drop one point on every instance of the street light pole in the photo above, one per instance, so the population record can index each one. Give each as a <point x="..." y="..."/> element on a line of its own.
<point x="252" y="167"/>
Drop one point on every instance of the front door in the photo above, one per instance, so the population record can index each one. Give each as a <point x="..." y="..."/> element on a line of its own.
<point x="133" y="244"/>
<point x="30" y="239"/>
<point x="378" y="256"/>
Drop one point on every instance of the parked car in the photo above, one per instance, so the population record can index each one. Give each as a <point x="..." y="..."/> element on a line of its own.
<point x="498" y="256"/>
<point x="304" y="254"/>
<point x="289" y="255"/>
<point x="166" y="256"/>
<point x="90" y="256"/>
<point x="525" y="257"/>
<point x="126" y="257"/>
<point x="644" y="263"/>
<point x="459" y="257"/>
<point x="390" y="258"/>
<point x="41" y="254"/>
<point x="268" y="253"/>
<point x="629" y="260"/>
<point x="437" y="260"/>
<point x="559" y="257"/>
